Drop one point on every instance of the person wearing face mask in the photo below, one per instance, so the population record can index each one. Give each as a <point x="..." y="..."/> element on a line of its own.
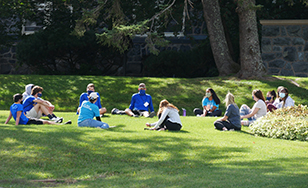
<point x="270" y="98"/>
<point x="34" y="106"/>
<point x="210" y="104"/>
<point x="258" y="110"/>
<point x="284" y="99"/>
<point x="140" y="104"/>
<point x="85" y="97"/>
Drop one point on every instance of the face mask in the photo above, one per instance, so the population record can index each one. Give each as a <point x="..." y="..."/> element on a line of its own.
<point x="208" y="94"/>
<point x="282" y="95"/>
<point x="268" y="98"/>
<point x="39" y="94"/>
<point x="89" y="92"/>
<point x="142" y="92"/>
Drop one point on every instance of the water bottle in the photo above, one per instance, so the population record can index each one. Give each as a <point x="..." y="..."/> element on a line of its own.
<point x="184" y="111"/>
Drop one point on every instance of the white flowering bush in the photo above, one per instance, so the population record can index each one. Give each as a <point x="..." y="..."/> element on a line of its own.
<point x="287" y="123"/>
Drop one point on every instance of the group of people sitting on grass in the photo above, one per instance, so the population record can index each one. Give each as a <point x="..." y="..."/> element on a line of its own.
<point x="29" y="107"/>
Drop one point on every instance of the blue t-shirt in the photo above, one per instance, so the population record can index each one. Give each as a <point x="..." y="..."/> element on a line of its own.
<point x="141" y="102"/>
<point x="212" y="103"/>
<point x="88" y="110"/>
<point x="233" y="114"/>
<point x="14" y="109"/>
<point x="84" y="97"/>
<point x="28" y="103"/>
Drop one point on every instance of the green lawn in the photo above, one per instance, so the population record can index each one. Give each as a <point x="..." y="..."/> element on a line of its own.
<point x="128" y="156"/>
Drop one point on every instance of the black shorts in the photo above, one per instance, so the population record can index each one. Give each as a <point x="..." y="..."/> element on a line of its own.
<point x="138" y="112"/>
<point x="35" y="121"/>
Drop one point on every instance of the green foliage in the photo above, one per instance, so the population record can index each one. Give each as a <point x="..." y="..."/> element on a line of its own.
<point x="190" y="64"/>
<point x="287" y="123"/>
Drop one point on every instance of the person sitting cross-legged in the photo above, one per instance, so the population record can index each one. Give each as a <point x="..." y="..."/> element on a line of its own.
<point x="34" y="106"/>
<point x="16" y="111"/>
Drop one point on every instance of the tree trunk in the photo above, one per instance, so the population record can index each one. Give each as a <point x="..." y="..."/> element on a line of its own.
<point x="250" y="55"/>
<point x="222" y="57"/>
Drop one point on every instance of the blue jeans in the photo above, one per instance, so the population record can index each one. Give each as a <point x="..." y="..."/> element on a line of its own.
<point x="245" y="110"/>
<point x="93" y="123"/>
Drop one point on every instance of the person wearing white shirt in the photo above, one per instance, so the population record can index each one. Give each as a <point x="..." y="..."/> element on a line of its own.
<point x="169" y="118"/>
<point x="258" y="110"/>
<point x="284" y="99"/>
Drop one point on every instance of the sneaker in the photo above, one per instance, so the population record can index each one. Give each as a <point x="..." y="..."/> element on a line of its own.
<point x="68" y="122"/>
<point x="152" y="114"/>
<point x="114" y="111"/>
<point x="57" y="120"/>
<point x="135" y="115"/>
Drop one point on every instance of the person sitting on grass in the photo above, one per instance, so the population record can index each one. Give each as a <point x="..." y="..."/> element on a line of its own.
<point x="210" y="104"/>
<point x="88" y="111"/>
<point x="27" y="93"/>
<point x="85" y="97"/>
<point x="270" y="98"/>
<point x="284" y="99"/>
<point x="258" y="110"/>
<point x="16" y="110"/>
<point x="34" y="106"/>
<point x="169" y="118"/>
<point x="232" y="118"/>
<point x="140" y="104"/>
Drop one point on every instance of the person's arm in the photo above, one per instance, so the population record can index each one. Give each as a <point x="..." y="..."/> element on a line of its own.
<point x="18" y="114"/>
<point x="213" y="109"/>
<point x="132" y="103"/>
<point x="224" y="118"/>
<point x="161" y="119"/>
<point x="41" y="101"/>
<point x="251" y="114"/>
<point x="8" y="118"/>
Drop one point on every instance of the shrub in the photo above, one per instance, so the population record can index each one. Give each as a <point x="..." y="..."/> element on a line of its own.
<point x="287" y="123"/>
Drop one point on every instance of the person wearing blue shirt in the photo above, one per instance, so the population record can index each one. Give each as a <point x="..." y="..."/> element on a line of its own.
<point x="232" y="118"/>
<point x="16" y="111"/>
<point x="210" y="104"/>
<point x="34" y="106"/>
<point x="84" y="97"/>
<point x="88" y="111"/>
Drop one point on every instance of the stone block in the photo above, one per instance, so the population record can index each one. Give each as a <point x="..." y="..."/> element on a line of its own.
<point x="281" y="41"/>
<point x="300" y="66"/>
<point x="300" y="48"/>
<point x="268" y="57"/>
<point x="298" y="41"/>
<point x="305" y="33"/>
<point x="283" y="31"/>
<point x="288" y="66"/>
<point x="273" y="71"/>
<point x="306" y="47"/>
<point x="5" y="50"/>
<point x="294" y="31"/>
<point x="3" y="61"/>
<point x="285" y="72"/>
<point x="290" y="54"/>
<point x="12" y="61"/>
<point x="306" y="56"/>
<point x="277" y="48"/>
<point x="277" y="64"/>
<point x="301" y="56"/>
<point x="301" y="75"/>
<point x="278" y="55"/>
<point x="5" y="68"/>
<point x="270" y="31"/>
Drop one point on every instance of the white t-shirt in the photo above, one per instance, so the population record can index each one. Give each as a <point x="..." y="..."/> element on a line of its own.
<point x="262" y="108"/>
<point x="279" y="104"/>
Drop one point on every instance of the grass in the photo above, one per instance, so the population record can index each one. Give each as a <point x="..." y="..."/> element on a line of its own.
<point x="128" y="156"/>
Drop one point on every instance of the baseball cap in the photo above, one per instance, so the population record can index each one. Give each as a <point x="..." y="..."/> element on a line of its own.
<point x="141" y="85"/>
<point x="93" y="96"/>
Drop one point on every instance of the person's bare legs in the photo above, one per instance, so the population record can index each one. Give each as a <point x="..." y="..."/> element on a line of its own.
<point x="129" y="112"/>
<point x="39" y="107"/>
<point x="102" y="110"/>
<point x="48" y="122"/>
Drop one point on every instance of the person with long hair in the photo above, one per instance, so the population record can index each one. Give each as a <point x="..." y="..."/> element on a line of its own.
<point x="284" y="100"/>
<point x="210" y="104"/>
<point x="169" y="118"/>
<point x="270" y="98"/>
<point x="258" y="110"/>
<point x="232" y="118"/>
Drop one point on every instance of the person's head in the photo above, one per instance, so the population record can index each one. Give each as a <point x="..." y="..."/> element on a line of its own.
<point x="271" y="96"/>
<point x="93" y="97"/>
<point x="257" y="94"/>
<point x="284" y="93"/>
<point x="229" y="99"/>
<point x="37" y="91"/>
<point x="28" y="88"/>
<point x="142" y="88"/>
<point x="278" y="89"/>
<point x="164" y="104"/>
<point x="17" y="97"/>
<point x="211" y="93"/>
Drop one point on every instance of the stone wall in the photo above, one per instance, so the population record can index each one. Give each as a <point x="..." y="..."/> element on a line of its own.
<point x="284" y="47"/>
